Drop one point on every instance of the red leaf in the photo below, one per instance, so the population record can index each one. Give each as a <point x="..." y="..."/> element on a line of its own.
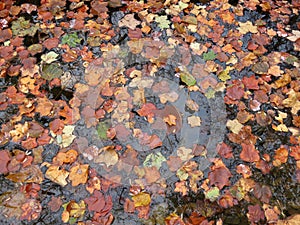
<point x="224" y="150"/>
<point x="147" y="110"/>
<point x="251" y="82"/>
<point x="99" y="203"/>
<point x="219" y="177"/>
<point x="249" y="153"/>
<point x="255" y="213"/>
<point x="262" y="192"/>
<point x="4" y="160"/>
<point x="236" y="90"/>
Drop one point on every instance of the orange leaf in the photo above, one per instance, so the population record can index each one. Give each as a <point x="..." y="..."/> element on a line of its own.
<point x="249" y="153"/>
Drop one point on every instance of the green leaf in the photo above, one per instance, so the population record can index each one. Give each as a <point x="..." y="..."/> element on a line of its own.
<point x="154" y="159"/>
<point x="51" y="71"/>
<point x="102" y="129"/>
<point x="162" y="21"/>
<point x="187" y="78"/>
<point x="71" y="39"/>
<point x="209" y="55"/>
<point x="212" y="194"/>
<point x="182" y="175"/>
<point x="22" y="27"/>
<point x="210" y="93"/>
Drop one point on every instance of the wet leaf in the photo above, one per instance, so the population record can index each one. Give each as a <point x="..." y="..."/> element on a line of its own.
<point x="211" y="55"/>
<point x="51" y="71"/>
<point x="212" y="194"/>
<point x="255" y="214"/>
<point x="129" y="21"/>
<point x="30" y="174"/>
<point x="141" y="199"/>
<point x="247" y="27"/>
<point x="22" y="27"/>
<point x="71" y="39"/>
<point x="5" y="157"/>
<point x="194" y="121"/>
<point x="154" y="159"/>
<point x="57" y="175"/>
<point x="187" y="78"/>
<point x="49" y="57"/>
<point x="79" y="174"/>
<point x="102" y="129"/>
<point x="249" y="153"/>
<point x="163" y="22"/>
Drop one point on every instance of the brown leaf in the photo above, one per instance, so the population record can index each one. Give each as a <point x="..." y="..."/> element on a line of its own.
<point x="224" y="150"/>
<point x="262" y="192"/>
<point x="249" y="153"/>
<point x="235" y="91"/>
<point x="29" y="174"/>
<point x="255" y="214"/>
<point x="5" y="157"/>
<point x="79" y="174"/>
<point x="55" y="204"/>
<point x="220" y="177"/>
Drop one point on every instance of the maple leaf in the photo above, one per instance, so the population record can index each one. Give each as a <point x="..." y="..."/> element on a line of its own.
<point x="249" y="153"/>
<point x="181" y="187"/>
<point x="99" y="203"/>
<point x="174" y="219"/>
<point x="212" y="194"/>
<point x="129" y="21"/>
<point x="211" y="55"/>
<point x="255" y="214"/>
<point x="224" y="150"/>
<point x="247" y="27"/>
<point x="163" y="22"/>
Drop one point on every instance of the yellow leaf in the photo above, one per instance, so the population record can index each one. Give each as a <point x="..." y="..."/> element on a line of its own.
<point x="141" y="199"/>
<point x="79" y="174"/>
<point x="247" y="27"/>
<point x="234" y="126"/>
<point x="194" y="121"/>
<point x="56" y="175"/>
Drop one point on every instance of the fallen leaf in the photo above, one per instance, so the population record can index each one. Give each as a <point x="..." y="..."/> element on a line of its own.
<point x="5" y="157"/>
<point x="246" y="27"/>
<point x="212" y="194"/>
<point x="170" y="120"/>
<point x="194" y="121"/>
<point x="129" y="21"/>
<point x="78" y="174"/>
<point x="181" y="187"/>
<point x="234" y="126"/>
<point x="141" y="199"/>
<point x="249" y="153"/>
<point x="255" y="214"/>
<point x="57" y="175"/>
